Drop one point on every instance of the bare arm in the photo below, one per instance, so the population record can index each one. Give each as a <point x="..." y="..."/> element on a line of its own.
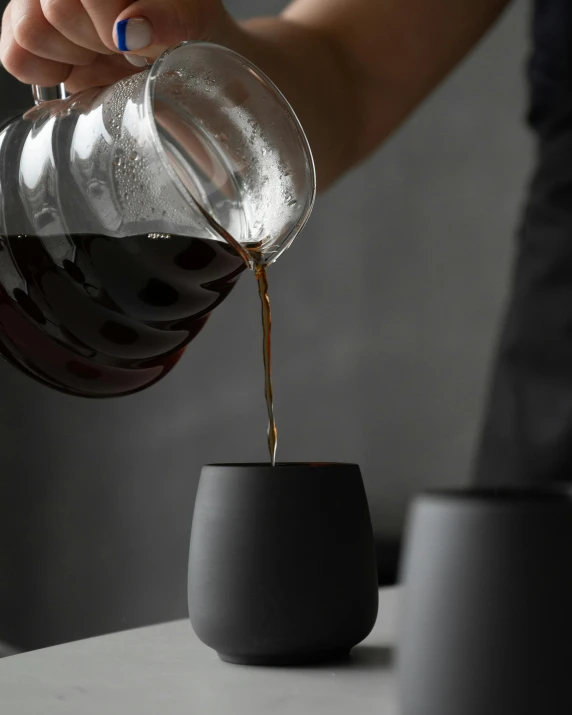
<point x="355" y="69"/>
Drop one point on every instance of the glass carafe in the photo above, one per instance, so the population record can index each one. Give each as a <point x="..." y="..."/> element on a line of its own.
<point x="114" y="207"/>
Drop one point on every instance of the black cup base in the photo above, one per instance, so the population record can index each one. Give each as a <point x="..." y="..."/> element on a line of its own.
<point x="282" y="659"/>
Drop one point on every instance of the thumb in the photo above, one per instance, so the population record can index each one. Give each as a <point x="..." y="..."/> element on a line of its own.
<point x="148" y="27"/>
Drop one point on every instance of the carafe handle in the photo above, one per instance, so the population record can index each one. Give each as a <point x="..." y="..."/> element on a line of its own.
<point x="45" y="94"/>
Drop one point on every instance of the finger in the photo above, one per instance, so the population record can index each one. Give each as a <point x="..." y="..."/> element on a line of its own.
<point x="150" y="27"/>
<point x="33" y="32"/>
<point x="103" y="14"/>
<point x="6" y="30"/>
<point x="71" y="19"/>
<point x="105" y="70"/>
<point x="27" y="67"/>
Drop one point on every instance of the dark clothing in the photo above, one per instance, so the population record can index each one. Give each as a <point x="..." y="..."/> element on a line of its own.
<point x="550" y="68"/>
<point x="527" y="433"/>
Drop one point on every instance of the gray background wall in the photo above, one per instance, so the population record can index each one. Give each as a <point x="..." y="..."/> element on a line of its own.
<point x="385" y="312"/>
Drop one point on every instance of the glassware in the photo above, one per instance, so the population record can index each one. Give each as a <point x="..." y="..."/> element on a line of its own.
<point x="114" y="207"/>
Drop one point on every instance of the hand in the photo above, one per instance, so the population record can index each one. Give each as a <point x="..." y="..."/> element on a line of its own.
<point x="90" y="43"/>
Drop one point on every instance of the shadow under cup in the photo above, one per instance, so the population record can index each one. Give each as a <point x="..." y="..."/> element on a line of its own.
<point x="487" y="612"/>
<point x="282" y="566"/>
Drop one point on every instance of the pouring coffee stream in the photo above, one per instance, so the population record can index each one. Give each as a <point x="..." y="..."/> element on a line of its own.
<point x="253" y="258"/>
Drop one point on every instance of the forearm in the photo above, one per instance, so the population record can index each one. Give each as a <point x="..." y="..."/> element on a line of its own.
<point x="355" y="69"/>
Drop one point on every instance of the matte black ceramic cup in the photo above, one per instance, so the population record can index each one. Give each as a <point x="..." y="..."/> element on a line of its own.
<point x="487" y="611"/>
<point x="282" y="567"/>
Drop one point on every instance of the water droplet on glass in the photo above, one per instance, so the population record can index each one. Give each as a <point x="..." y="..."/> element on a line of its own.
<point x="134" y="156"/>
<point x="264" y="151"/>
<point x="292" y="202"/>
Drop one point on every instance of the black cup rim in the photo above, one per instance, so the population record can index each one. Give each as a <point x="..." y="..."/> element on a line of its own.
<point x="282" y="465"/>
<point x="521" y="494"/>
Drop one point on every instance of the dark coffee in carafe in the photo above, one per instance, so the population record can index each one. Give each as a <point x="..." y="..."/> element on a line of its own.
<point x="97" y="316"/>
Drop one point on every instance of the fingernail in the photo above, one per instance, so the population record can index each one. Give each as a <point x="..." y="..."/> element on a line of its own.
<point x="133" y="34"/>
<point x="136" y="60"/>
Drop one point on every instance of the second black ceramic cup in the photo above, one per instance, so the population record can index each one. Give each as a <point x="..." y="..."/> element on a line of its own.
<point x="282" y="566"/>
<point x="487" y="603"/>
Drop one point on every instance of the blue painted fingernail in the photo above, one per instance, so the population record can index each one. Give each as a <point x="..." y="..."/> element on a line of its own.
<point x="133" y="34"/>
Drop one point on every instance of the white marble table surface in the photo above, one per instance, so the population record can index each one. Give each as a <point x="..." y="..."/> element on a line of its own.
<point x="166" y="670"/>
